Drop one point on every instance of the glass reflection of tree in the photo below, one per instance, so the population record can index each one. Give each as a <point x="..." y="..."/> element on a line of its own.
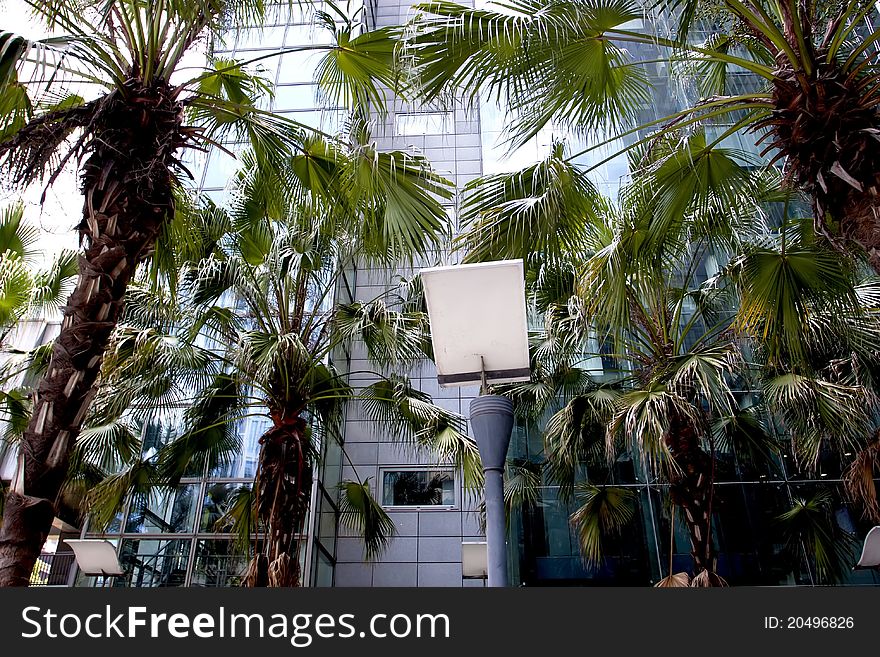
<point x="414" y="488"/>
<point x="218" y="497"/>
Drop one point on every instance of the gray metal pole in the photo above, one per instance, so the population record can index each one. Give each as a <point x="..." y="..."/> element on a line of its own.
<point x="491" y="423"/>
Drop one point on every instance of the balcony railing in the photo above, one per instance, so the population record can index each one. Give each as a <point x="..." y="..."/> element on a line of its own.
<point x="52" y="569"/>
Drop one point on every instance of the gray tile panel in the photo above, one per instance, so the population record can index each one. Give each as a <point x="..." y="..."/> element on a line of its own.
<point x="440" y="574"/>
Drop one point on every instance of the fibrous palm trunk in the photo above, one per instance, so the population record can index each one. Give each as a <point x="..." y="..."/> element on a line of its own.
<point x="284" y="485"/>
<point x="826" y="126"/>
<point x="127" y="183"/>
<point x="691" y="490"/>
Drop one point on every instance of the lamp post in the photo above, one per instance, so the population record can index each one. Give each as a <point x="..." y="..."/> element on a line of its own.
<point x="479" y="334"/>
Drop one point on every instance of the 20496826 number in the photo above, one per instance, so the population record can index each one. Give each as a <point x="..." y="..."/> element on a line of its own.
<point x="819" y="622"/>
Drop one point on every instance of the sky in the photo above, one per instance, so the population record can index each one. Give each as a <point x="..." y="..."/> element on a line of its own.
<point x="62" y="209"/>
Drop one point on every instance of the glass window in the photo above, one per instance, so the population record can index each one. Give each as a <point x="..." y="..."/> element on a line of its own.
<point x="219" y="500"/>
<point x="323" y="570"/>
<point x="298" y="96"/>
<point x="299" y="66"/>
<point x="153" y="563"/>
<point x="217" y="564"/>
<point x="418" y="488"/>
<point x="306" y="35"/>
<point x="221" y="166"/>
<point x="327" y="121"/>
<point x="261" y="37"/>
<point x="421" y="123"/>
<point x="163" y="510"/>
<point x="244" y="463"/>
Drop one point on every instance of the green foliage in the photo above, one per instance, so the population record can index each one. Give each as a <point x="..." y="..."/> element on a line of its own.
<point x="810" y="525"/>
<point x="360" y="511"/>
<point x="545" y="61"/>
<point x="543" y="211"/>
<point x="603" y="512"/>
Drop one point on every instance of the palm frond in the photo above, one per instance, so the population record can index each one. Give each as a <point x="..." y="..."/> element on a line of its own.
<point x="353" y="72"/>
<point x="817" y="410"/>
<point x="781" y="286"/>
<point x="603" y="512"/>
<point x="744" y="433"/>
<point x="810" y="522"/>
<point x="107" y="498"/>
<point x="360" y="511"/>
<point x="400" y="198"/>
<point x="541" y="211"/>
<point x="239" y="517"/>
<point x="17" y="236"/>
<point x="53" y="285"/>
<point x="392" y="338"/>
<point x="532" y="55"/>
<point x="208" y="438"/>
<point x="858" y="479"/>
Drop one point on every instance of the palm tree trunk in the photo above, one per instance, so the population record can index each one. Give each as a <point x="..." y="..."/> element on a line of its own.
<point x="691" y="489"/>
<point x="127" y="183"/>
<point x="284" y="481"/>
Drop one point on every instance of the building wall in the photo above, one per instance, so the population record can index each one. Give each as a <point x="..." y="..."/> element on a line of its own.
<point x="427" y="549"/>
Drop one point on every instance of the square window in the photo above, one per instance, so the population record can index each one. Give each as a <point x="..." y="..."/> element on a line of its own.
<point x="422" y="487"/>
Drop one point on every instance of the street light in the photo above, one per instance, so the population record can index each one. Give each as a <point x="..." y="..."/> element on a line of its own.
<point x="480" y="336"/>
<point x="870" y="550"/>
<point x="96" y="557"/>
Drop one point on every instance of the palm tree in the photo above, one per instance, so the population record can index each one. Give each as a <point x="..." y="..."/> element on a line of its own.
<point x="801" y="76"/>
<point x="785" y="329"/>
<point x="252" y="324"/>
<point x="130" y="133"/>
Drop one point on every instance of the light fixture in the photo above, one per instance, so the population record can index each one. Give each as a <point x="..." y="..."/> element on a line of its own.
<point x="478" y="322"/>
<point x="870" y="550"/>
<point x="96" y="557"/>
<point x="479" y="333"/>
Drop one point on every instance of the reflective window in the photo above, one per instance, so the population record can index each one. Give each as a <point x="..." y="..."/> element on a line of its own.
<point x="261" y="37"/>
<point x="221" y="166"/>
<point x="304" y="35"/>
<point x="163" y="510"/>
<point x="418" y="488"/>
<point x="244" y="463"/>
<point x="298" y="96"/>
<point x="323" y="570"/>
<point x="299" y="66"/>
<point x="328" y="121"/>
<point x="154" y="563"/>
<point x="217" y="564"/>
<point x="220" y="500"/>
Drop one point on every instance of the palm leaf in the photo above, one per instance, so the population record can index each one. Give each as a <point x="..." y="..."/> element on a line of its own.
<point x="810" y="522"/>
<point x="543" y="210"/>
<point x="360" y="511"/>
<point x="603" y="512"/>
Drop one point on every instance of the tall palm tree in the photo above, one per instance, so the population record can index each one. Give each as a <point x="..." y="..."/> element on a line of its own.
<point x="802" y="77"/>
<point x="259" y="284"/>
<point x="785" y="316"/>
<point x="130" y="131"/>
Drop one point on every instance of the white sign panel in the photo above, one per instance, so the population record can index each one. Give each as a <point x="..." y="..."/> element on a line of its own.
<point x="478" y="320"/>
